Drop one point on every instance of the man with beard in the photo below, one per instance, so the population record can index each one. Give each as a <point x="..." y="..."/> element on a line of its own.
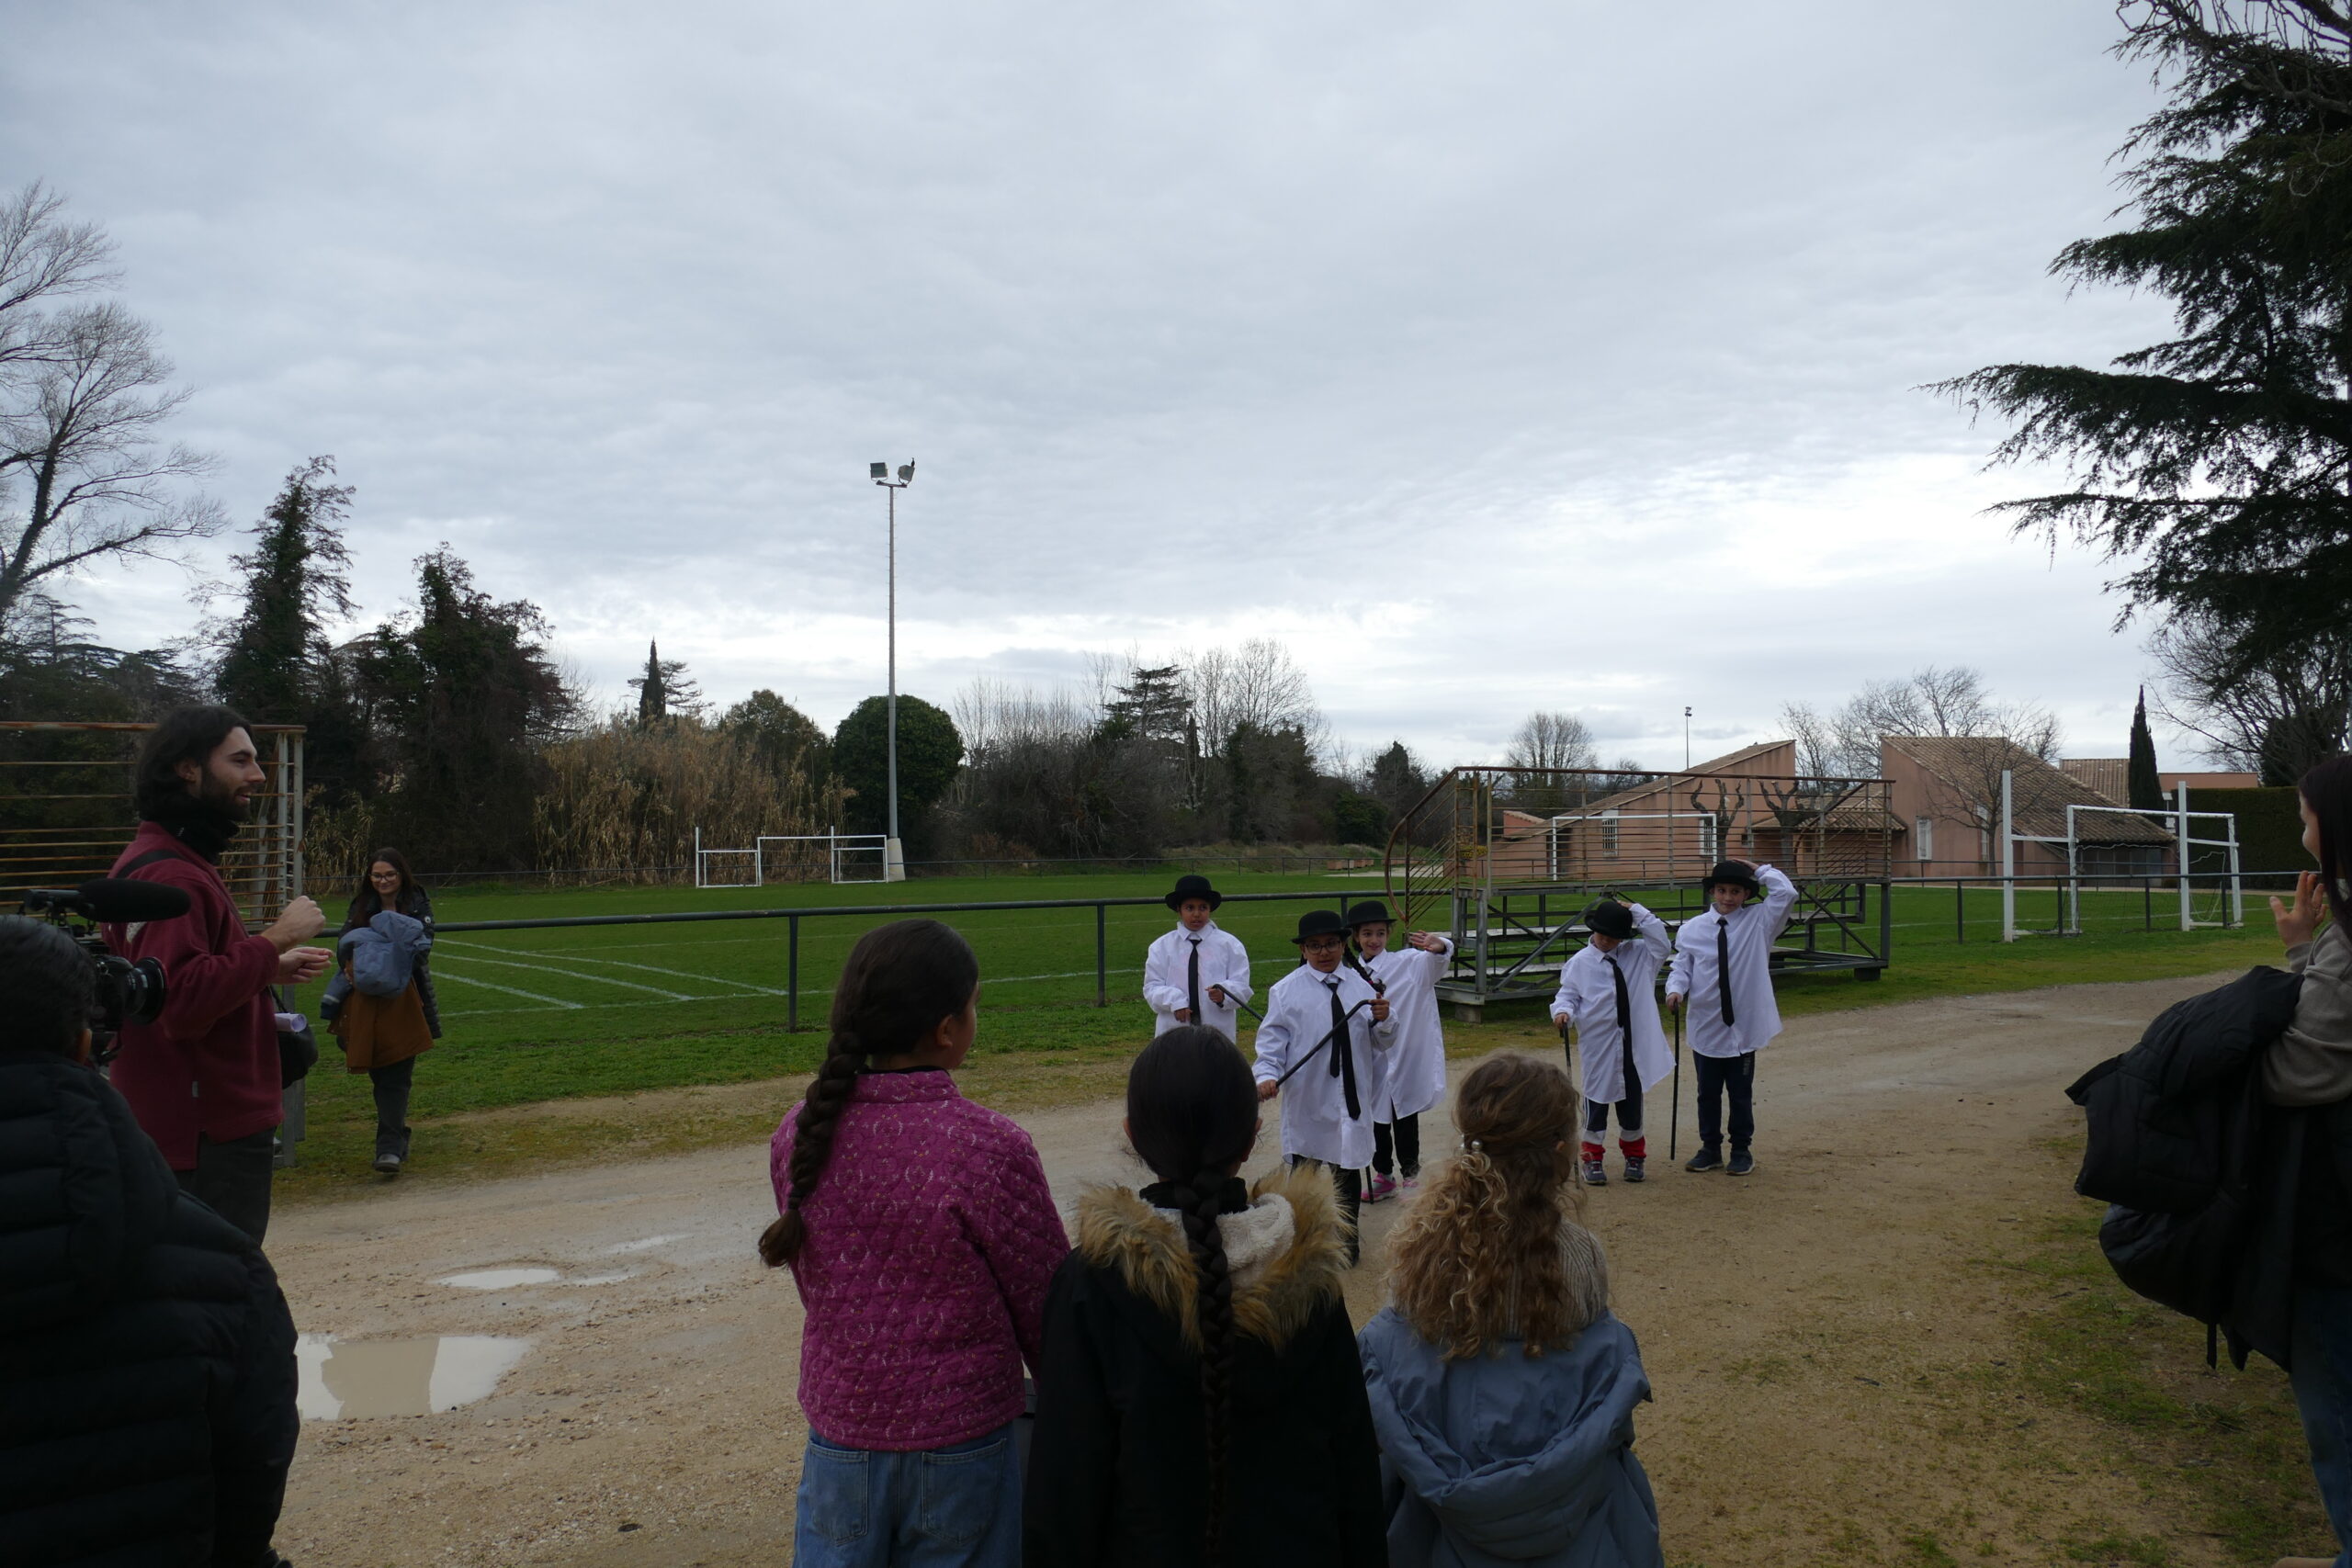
<point x="203" y="1078"/>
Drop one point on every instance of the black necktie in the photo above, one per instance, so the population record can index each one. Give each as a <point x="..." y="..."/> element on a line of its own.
<point x="1723" y="966"/>
<point x="1343" y="1056"/>
<point x="1193" y="979"/>
<point x="1624" y="1027"/>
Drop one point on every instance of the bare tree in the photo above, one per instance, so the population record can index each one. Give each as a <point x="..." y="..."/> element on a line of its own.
<point x="2272" y="715"/>
<point x="1257" y="683"/>
<point x="1937" y="701"/>
<point x="84" y="395"/>
<point x="42" y="258"/>
<point x="1552" y="741"/>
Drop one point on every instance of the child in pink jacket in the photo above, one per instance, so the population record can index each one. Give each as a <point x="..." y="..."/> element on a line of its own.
<point x="921" y="1239"/>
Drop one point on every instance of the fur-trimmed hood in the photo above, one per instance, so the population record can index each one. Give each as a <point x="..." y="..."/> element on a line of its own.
<point x="1272" y="1300"/>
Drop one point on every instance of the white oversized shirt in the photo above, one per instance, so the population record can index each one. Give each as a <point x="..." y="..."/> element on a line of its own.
<point x="1587" y="994"/>
<point x="1315" y="1123"/>
<point x="1753" y="928"/>
<point x="1413" y="1070"/>
<point x="1223" y="962"/>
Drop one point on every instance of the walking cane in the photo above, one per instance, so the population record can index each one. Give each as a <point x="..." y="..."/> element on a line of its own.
<point x="1674" y="1117"/>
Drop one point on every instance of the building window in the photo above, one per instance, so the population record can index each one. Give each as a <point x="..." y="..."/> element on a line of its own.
<point x="1608" y="835"/>
<point x="1923" y="833"/>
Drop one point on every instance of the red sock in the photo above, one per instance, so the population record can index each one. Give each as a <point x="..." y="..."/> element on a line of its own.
<point x="1593" y="1151"/>
<point x="1633" y="1148"/>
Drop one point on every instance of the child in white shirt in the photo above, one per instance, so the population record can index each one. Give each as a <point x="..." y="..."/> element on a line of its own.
<point x="1413" y="1070"/>
<point x="1723" y="973"/>
<point x="1608" y="990"/>
<point x="1196" y="973"/>
<point x="1325" y="1028"/>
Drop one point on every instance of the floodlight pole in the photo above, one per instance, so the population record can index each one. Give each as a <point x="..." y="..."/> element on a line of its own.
<point x="894" y="859"/>
<point x="1686" y="739"/>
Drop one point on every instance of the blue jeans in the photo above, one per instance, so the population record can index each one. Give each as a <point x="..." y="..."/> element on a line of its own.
<point x="931" y="1508"/>
<point x="2323" y="1379"/>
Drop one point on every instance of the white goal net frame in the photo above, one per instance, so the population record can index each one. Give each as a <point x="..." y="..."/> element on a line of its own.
<point x="847" y="857"/>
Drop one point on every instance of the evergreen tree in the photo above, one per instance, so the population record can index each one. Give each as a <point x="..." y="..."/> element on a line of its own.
<point x="930" y="752"/>
<point x="781" y="735"/>
<point x="2216" y="463"/>
<point x="665" y="688"/>
<point x="2147" y="788"/>
<point x="463" y="693"/>
<point x="1153" y="706"/>
<point x="272" y="652"/>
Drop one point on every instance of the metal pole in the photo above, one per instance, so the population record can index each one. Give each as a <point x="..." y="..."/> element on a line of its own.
<point x="2180" y="820"/>
<point x="2072" y="916"/>
<point x="1102" y="957"/>
<point x="1959" y="909"/>
<point x="2008" y="856"/>
<point x="893" y="856"/>
<point x="792" y="975"/>
<point x="2237" y="887"/>
<point x="2148" y="903"/>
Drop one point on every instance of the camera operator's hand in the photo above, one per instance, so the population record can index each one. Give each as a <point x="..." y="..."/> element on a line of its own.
<point x="297" y="923"/>
<point x="300" y="966"/>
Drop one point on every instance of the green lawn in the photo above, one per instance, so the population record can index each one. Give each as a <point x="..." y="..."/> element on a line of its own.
<point x="550" y="1014"/>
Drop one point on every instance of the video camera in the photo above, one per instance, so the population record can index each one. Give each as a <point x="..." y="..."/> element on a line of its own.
<point x="124" y="992"/>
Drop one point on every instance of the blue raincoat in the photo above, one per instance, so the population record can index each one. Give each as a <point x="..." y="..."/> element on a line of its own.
<point x="1507" y="1459"/>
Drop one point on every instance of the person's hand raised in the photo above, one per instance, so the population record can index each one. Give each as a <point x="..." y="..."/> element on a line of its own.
<point x="297" y="922"/>
<point x="2298" y="922"/>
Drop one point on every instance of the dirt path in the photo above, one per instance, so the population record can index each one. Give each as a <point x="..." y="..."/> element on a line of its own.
<point x="1815" y="1333"/>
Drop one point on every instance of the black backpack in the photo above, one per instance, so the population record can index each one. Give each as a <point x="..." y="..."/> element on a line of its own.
<point x="2176" y="1126"/>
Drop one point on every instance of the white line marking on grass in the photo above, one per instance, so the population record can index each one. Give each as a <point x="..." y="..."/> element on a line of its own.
<point x="593" y="979"/>
<point x="623" y="963"/>
<point x="443" y="971"/>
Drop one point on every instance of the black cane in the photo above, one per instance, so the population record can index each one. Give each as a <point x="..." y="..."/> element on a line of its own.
<point x="1674" y="1117"/>
<point x="1328" y="1035"/>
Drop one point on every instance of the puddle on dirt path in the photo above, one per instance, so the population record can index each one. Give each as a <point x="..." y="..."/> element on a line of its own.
<point x="501" y="1279"/>
<point x="342" y="1379"/>
<point x="645" y="1244"/>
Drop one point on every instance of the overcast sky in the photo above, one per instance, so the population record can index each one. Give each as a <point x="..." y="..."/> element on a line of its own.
<point x="1494" y="356"/>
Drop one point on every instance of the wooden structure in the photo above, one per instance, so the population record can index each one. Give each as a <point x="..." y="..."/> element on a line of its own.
<point x="1508" y="859"/>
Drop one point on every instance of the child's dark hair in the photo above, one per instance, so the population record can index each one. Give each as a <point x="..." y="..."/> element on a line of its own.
<point x="2326" y="788"/>
<point x="901" y="982"/>
<point x="1192" y="1114"/>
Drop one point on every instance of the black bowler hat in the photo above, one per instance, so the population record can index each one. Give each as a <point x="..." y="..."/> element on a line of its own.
<point x="1731" y="871"/>
<point x="1318" y="922"/>
<point x="1193" y="887"/>
<point x="1609" y="918"/>
<point x="1372" y="911"/>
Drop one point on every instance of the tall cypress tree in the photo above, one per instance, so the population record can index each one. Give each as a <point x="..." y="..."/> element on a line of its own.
<point x="295" y="575"/>
<point x="2146" y="786"/>
<point x="2216" y="464"/>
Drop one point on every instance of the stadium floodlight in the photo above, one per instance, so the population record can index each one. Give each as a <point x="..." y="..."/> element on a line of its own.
<point x="893" y="856"/>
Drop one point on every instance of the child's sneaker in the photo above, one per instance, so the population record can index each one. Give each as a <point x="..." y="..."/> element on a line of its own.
<point x="1705" y="1159"/>
<point x="1742" y="1162"/>
<point x="1594" y="1175"/>
<point x="1636" y="1167"/>
<point x="1410" y="1182"/>
<point x="1379" y="1189"/>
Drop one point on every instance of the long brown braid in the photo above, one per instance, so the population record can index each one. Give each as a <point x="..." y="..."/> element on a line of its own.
<point x="1193" y="1114"/>
<point x="901" y="982"/>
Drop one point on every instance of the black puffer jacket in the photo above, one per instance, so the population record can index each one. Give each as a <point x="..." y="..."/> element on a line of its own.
<point x="146" y="1356"/>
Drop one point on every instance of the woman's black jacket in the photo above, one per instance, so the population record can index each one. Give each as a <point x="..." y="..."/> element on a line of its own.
<point x="147" y="1375"/>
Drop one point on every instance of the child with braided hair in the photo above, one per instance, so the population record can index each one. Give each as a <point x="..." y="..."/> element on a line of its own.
<point x="921" y="1240"/>
<point x="1502" y="1388"/>
<point x="1200" y="1401"/>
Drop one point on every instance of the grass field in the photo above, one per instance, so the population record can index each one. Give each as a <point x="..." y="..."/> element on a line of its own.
<point x="551" y="1014"/>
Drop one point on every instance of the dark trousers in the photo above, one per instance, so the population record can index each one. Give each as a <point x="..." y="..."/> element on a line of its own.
<point x="1629" y="1119"/>
<point x="1351" y="1189"/>
<point x="391" y="1085"/>
<point x="1401" y="1140"/>
<point x="233" y="1180"/>
<point x="1717" y="1074"/>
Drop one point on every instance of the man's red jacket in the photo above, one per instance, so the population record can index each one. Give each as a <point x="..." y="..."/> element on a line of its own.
<point x="209" y="1064"/>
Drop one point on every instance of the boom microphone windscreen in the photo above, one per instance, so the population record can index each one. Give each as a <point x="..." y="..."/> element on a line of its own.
<point x="120" y="901"/>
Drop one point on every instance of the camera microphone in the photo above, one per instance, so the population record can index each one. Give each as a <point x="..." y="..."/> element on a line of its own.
<point x="112" y="900"/>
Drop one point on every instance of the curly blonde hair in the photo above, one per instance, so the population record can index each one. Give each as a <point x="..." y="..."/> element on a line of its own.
<point x="1492" y="1251"/>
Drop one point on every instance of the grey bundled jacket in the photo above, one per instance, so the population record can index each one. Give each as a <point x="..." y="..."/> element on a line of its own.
<point x="2312" y="1063"/>
<point x="1507" y="1459"/>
